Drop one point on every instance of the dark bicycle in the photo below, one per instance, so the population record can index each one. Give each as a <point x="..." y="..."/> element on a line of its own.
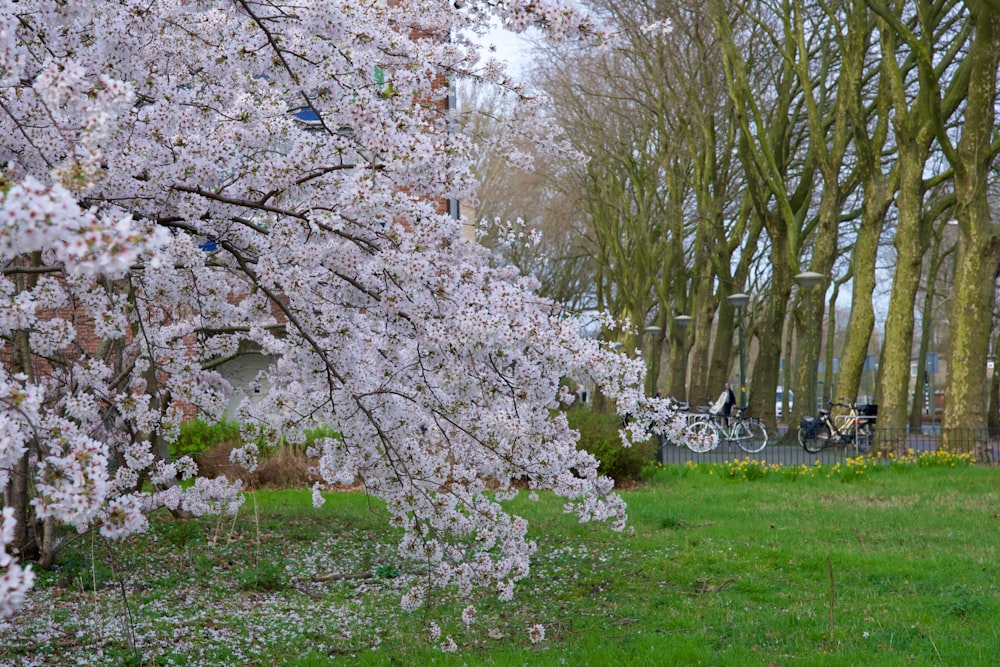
<point x="856" y="428"/>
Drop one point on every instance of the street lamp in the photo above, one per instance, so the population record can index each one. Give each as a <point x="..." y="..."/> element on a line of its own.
<point x="682" y="322"/>
<point x="808" y="280"/>
<point x="738" y="301"/>
<point x="653" y="358"/>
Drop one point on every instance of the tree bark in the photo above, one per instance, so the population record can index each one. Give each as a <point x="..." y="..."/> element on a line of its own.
<point x="934" y="265"/>
<point x="870" y="123"/>
<point x="910" y="241"/>
<point x="25" y="543"/>
<point x="978" y="257"/>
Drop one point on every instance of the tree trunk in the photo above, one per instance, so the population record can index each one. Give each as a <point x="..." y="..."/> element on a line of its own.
<point x="862" y="317"/>
<point x="675" y="376"/>
<point x="911" y="243"/>
<point x="798" y="327"/>
<point x="830" y="390"/>
<point x="971" y="322"/>
<point x="994" y="411"/>
<point x="703" y="306"/>
<point x="725" y="350"/>
<point x="870" y="125"/>
<point x="17" y="495"/>
<point x="937" y="259"/>
<point x="765" y="371"/>
<point x="978" y="238"/>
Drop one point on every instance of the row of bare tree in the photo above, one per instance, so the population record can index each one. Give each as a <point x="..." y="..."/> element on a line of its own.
<point x="759" y="139"/>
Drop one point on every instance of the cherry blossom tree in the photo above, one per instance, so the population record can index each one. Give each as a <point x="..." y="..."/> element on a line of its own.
<point x="164" y="205"/>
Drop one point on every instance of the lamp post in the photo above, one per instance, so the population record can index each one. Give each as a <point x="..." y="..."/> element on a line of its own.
<point x="652" y="360"/>
<point x="738" y="301"/>
<point x="808" y="280"/>
<point x="682" y="322"/>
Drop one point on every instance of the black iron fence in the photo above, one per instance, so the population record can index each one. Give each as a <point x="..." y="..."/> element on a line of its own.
<point x="980" y="444"/>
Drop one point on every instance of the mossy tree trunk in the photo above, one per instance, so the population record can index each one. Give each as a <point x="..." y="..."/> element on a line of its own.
<point x="829" y="378"/>
<point x="978" y="256"/>
<point x="767" y="330"/>
<point x="783" y="85"/>
<point x="910" y="241"/>
<point x="918" y="105"/>
<point x="827" y="99"/>
<point x="703" y="302"/>
<point x="939" y="253"/>
<point x="993" y="416"/>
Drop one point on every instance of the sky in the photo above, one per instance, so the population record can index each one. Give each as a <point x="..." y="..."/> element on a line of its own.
<point x="510" y="48"/>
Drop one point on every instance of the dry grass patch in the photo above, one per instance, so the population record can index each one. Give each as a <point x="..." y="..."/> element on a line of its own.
<point x="285" y="467"/>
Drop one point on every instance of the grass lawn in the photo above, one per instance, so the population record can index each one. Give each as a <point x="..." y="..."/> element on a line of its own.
<point x="851" y="565"/>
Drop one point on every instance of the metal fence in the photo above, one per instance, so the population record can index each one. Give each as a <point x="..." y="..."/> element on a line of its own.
<point x="981" y="444"/>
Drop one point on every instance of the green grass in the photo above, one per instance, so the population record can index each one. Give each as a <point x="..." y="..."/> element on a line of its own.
<point x="895" y="565"/>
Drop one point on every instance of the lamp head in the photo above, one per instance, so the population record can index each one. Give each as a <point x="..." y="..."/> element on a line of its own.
<point x="738" y="300"/>
<point x="809" y="279"/>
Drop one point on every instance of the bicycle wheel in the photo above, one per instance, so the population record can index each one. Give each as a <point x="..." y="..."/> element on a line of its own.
<point x="751" y="435"/>
<point x="810" y="440"/>
<point x="701" y="437"/>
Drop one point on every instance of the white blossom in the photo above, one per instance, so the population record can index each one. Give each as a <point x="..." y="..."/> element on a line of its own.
<point x="179" y="216"/>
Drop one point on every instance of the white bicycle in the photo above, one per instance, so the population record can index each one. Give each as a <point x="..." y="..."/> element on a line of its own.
<point x="704" y="435"/>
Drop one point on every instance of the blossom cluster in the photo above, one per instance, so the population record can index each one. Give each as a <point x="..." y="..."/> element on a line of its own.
<point x="16" y="580"/>
<point x="166" y="207"/>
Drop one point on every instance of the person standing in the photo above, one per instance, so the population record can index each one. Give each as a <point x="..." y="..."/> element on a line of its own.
<point x="723" y="405"/>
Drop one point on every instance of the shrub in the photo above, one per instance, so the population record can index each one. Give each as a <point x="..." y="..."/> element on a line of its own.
<point x="285" y="468"/>
<point x="599" y="435"/>
<point x="198" y="436"/>
<point x="214" y="462"/>
<point x="280" y="467"/>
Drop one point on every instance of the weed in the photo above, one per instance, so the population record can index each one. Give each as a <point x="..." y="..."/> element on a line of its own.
<point x="387" y="572"/>
<point x="266" y="575"/>
<point x="957" y="600"/>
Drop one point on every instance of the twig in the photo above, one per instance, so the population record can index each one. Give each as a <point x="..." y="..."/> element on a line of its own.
<point x="337" y="576"/>
<point x="705" y="588"/>
<point x="934" y="645"/>
<point x="673" y="631"/>
<point x="128" y="620"/>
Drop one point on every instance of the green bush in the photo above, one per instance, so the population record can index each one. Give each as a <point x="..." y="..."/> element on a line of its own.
<point x="599" y="435"/>
<point x="198" y="436"/>
<point x="319" y="433"/>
